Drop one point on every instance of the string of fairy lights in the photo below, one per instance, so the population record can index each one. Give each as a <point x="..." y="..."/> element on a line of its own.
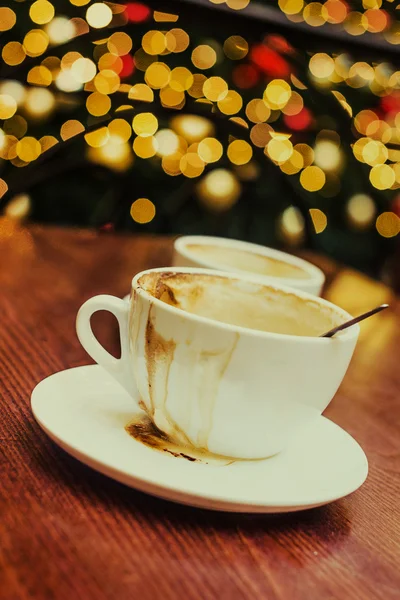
<point x="256" y="86"/>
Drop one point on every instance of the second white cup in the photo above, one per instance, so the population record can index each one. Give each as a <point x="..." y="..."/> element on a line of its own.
<point x="266" y="264"/>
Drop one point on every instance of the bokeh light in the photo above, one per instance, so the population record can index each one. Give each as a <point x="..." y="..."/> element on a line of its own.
<point x="143" y="210"/>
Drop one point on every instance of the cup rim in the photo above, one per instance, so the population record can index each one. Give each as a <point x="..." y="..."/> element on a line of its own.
<point x="314" y="274"/>
<point x="347" y="334"/>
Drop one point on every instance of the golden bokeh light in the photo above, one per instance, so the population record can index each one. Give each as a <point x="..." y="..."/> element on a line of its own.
<point x="47" y="141"/>
<point x="143" y="210"/>
<point x="83" y="70"/>
<point x="312" y="178"/>
<point x="279" y="149"/>
<point x="119" y="43"/>
<point x="388" y="224"/>
<point x="294" y="164"/>
<point x="16" y="125"/>
<point x="191" y="165"/>
<point x="60" y="30"/>
<point x="210" y="150"/>
<point x="366" y="122"/>
<point x="41" y="12"/>
<point x="315" y="14"/>
<point x="107" y="82"/>
<point x="291" y="226"/>
<point x="40" y="76"/>
<point x="162" y="17"/>
<point x="36" y="42"/>
<point x="237" y="4"/>
<point x="14" y="89"/>
<point x="294" y="105"/>
<point x="154" y="42"/>
<point x="360" y="211"/>
<point x="374" y="153"/>
<point x="39" y="103"/>
<point x="117" y="157"/>
<point x="181" y="79"/>
<point x="260" y="134"/>
<point x="145" y="124"/>
<point x="68" y="60"/>
<point x="145" y="147"/>
<point x="8" y="147"/>
<point x="239" y="152"/>
<point x="98" y="104"/>
<point x="358" y="148"/>
<point x="196" y="91"/>
<point x="8" y="18"/>
<point x="219" y="190"/>
<point x="382" y="177"/>
<point x="291" y="7"/>
<point x="257" y="111"/>
<point x="192" y="127"/>
<point x="66" y="82"/>
<point x="215" y="89"/>
<point x="142" y="92"/>
<point x="171" y="164"/>
<point x="28" y="149"/>
<point x="177" y="40"/>
<point x="13" y="54"/>
<point x="120" y="131"/>
<point x="236" y="47"/>
<point x="70" y="129"/>
<point x="327" y="155"/>
<point x="157" y="75"/>
<point x="277" y="94"/>
<point x="3" y="184"/>
<point x="167" y="142"/>
<point x="8" y="106"/>
<point x="319" y="219"/>
<point x="321" y="65"/>
<point x="98" y="138"/>
<point x="231" y="104"/>
<point x="171" y="97"/>
<point x="99" y="15"/>
<point x="204" y="57"/>
<point x="110" y="61"/>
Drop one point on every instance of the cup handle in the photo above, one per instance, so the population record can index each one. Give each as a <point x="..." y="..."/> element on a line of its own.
<point x="117" y="367"/>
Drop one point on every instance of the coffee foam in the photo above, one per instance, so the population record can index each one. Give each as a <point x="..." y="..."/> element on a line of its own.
<point x="245" y="260"/>
<point x="241" y="303"/>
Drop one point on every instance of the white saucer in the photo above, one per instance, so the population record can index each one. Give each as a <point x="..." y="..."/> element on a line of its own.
<point x="85" y="412"/>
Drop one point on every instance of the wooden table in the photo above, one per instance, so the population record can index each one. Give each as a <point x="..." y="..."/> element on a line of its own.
<point x="69" y="533"/>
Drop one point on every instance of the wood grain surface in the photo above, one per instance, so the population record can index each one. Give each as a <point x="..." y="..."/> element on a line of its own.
<point x="68" y="533"/>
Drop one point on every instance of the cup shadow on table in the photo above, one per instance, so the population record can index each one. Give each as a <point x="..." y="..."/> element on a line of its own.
<point x="328" y="525"/>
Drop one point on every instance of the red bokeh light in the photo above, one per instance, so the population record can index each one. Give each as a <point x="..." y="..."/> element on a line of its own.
<point x="137" y="12"/>
<point x="269" y="61"/>
<point x="391" y="102"/>
<point x="128" y="66"/>
<point x="298" y="122"/>
<point x="245" y="76"/>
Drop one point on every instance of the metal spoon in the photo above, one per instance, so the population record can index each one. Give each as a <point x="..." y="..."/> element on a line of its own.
<point x="332" y="332"/>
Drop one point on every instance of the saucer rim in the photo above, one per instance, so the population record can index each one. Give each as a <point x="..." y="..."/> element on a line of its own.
<point x="215" y="502"/>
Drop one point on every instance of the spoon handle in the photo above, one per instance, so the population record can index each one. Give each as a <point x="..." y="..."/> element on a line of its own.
<point x="332" y="332"/>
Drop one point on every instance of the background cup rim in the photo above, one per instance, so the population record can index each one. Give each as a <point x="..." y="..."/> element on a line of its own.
<point x="315" y="274"/>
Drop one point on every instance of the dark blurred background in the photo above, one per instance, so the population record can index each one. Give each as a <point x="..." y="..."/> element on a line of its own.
<point x="274" y="122"/>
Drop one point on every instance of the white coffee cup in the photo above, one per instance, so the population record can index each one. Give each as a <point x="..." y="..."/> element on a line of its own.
<point x="235" y="256"/>
<point x="222" y="362"/>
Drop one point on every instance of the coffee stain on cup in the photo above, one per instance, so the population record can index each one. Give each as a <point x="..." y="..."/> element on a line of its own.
<point x="159" y="355"/>
<point x="143" y="430"/>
